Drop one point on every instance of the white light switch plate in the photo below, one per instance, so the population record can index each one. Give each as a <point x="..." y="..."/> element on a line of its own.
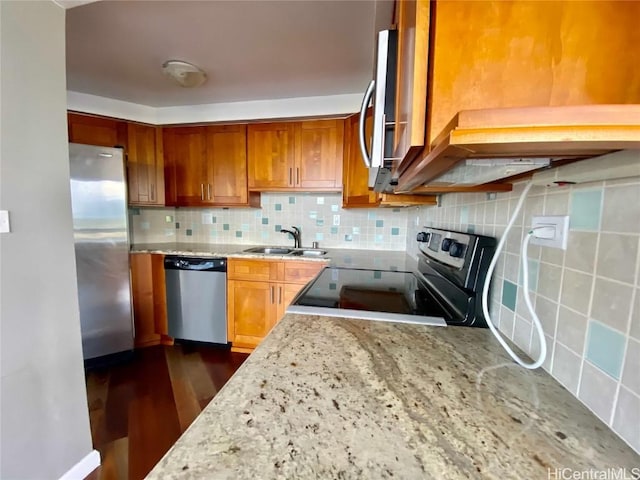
<point x="561" y="225"/>
<point x="5" y="227"/>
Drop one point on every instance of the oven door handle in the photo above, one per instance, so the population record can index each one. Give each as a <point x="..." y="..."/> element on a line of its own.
<point x="366" y="157"/>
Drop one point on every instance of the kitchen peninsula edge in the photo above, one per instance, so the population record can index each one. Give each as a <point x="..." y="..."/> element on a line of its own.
<point x="324" y="397"/>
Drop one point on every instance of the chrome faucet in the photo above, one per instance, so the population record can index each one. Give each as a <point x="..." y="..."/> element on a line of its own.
<point x="297" y="238"/>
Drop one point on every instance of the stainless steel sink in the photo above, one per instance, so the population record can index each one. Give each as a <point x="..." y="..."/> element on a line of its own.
<point x="270" y="250"/>
<point x="298" y="252"/>
<point x="309" y="252"/>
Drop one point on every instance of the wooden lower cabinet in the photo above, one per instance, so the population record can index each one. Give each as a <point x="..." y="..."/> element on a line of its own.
<point x="258" y="294"/>
<point x="149" y="300"/>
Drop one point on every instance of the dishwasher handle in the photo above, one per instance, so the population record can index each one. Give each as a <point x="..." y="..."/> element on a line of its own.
<point x="195" y="264"/>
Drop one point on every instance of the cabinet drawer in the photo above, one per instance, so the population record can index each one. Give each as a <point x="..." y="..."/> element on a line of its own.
<point x="301" y="272"/>
<point x="253" y="270"/>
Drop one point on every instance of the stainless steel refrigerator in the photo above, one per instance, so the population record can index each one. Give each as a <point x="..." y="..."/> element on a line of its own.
<point x="101" y="236"/>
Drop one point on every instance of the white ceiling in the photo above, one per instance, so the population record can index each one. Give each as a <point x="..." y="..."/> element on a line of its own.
<point x="251" y="50"/>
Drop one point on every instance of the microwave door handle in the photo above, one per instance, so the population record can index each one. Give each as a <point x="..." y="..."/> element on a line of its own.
<point x="366" y="158"/>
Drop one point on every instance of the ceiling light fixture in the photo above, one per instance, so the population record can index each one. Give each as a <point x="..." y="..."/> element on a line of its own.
<point x="183" y="73"/>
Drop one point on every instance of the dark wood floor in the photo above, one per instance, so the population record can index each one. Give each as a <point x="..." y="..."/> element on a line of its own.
<point x="139" y="408"/>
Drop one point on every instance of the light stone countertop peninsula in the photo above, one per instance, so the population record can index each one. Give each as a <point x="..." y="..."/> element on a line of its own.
<point x="324" y="397"/>
<point x="337" y="257"/>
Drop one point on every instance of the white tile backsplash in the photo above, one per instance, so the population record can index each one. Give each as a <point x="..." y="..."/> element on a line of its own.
<point x="595" y="279"/>
<point x="319" y="216"/>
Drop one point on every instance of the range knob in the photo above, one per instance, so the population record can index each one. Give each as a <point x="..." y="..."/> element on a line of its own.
<point x="423" y="237"/>
<point x="456" y="249"/>
<point x="446" y="244"/>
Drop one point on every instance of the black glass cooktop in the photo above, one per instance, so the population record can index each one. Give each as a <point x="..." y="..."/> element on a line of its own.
<point x="395" y="295"/>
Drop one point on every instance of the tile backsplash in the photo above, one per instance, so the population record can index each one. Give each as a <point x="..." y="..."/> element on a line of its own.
<point x="587" y="297"/>
<point x="319" y="216"/>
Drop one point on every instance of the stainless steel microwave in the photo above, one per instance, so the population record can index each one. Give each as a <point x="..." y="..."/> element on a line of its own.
<point x="379" y="157"/>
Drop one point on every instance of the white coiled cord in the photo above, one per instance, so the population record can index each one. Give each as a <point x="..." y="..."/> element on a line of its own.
<point x="525" y="281"/>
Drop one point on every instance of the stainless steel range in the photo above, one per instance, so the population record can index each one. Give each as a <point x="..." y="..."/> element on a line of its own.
<point x="445" y="289"/>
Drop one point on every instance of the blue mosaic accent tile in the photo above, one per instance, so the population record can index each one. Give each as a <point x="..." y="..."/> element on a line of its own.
<point x="177" y="225"/>
<point x="334" y="230"/>
<point x="238" y="234"/>
<point x="225" y="226"/>
<point x="189" y="232"/>
<point x="319" y="236"/>
<point x="379" y="238"/>
<point x="464" y="215"/>
<point x="265" y="221"/>
<point x="334" y="208"/>
<point x="379" y="223"/>
<point x="313" y="215"/>
<point x="348" y="238"/>
<point x="586" y="209"/>
<point x="395" y="231"/>
<point x="471" y="229"/>
<point x="278" y="228"/>
<point x="278" y="207"/>
<point x="134" y="211"/>
<point x="292" y="200"/>
<point x="371" y="216"/>
<point x="509" y="294"/>
<point x="396" y="210"/>
<point x="605" y="348"/>
<point x="377" y="274"/>
<point x="214" y="220"/>
<point x="332" y="286"/>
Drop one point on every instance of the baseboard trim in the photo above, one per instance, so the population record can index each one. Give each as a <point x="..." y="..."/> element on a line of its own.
<point x="84" y="467"/>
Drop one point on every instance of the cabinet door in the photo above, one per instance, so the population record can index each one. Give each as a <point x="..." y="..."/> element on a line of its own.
<point x="185" y="150"/>
<point x="285" y="294"/>
<point x="251" y="312"/>
<point x="88" y="130"/>
<point x="145" y="165"/>
<point x="271" y="156"/>
<point x="319" y="152"/>
<point x="227" y="165"/>
<point x="355" y="192"/>
<point x="411" y="82"/>
<point x="143" y="300"/>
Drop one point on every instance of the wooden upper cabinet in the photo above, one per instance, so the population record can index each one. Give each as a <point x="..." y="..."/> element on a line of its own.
<point x="89" y="130"/>
<point x="355" y="191"/>
<point x="145" y="165"/>
<point x="520" y="54"/>
<point x="411" y="82"/>
<point x="207" y="166"/>
<point x="185" y="154"/>
<point x="319" y="152"/>
<point x="271" y="156"/>
<point x="302" y="156"/>
<point x="227" y="164"/>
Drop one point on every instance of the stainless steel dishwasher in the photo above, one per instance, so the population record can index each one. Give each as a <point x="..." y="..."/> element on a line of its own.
<point x="197" y="298"/>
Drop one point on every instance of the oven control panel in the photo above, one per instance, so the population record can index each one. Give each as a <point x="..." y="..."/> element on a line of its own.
<point x="447" y="247"/>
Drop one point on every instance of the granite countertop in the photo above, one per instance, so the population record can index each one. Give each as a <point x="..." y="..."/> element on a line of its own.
<point x="323" y="397"/>
<point x="337" y="257"/>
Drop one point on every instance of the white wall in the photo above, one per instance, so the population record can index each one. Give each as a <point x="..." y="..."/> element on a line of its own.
<point x="43" y="412"/>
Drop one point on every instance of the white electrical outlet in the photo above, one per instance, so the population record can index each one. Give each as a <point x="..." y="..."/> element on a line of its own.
<point x="336" y="220"/>
<point x="560" y="223"/>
